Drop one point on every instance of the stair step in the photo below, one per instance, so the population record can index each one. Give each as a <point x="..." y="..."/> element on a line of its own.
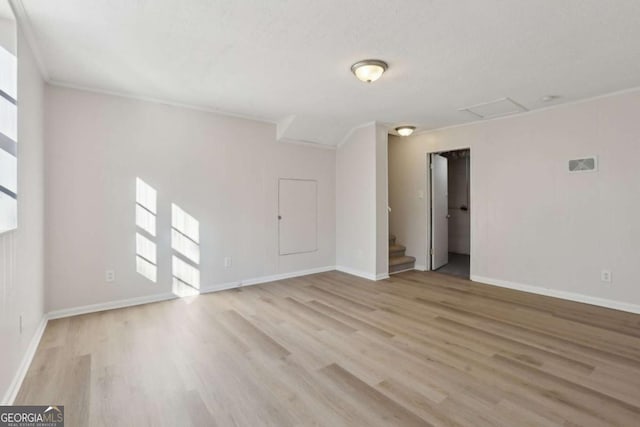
<point x="396" y="250"/>
<point x="398" y="260"/>
<point x="401" y="263"/>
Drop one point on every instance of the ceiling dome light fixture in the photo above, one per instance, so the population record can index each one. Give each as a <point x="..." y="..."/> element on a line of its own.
<point x="369" y="70"/>
<point x="405" y="130"/>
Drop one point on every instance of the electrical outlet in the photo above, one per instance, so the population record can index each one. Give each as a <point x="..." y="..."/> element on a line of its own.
<point x="605" y="276"/>
<point x="110" y="276"/>
<point x="227" y="262"/>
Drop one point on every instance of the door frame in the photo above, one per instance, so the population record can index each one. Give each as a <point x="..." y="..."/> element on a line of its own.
<point x="428" y="195"/>
<point x="279" y="216"/>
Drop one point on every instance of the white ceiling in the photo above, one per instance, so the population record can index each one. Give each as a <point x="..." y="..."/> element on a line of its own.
<point x="5" y="10"/>
<point x="287" y="61"/>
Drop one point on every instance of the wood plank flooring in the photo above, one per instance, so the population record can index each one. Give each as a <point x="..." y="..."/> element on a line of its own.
<point x="331" y="349"/>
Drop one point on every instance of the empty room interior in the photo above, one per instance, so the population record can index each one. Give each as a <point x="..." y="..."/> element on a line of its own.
<point x="327" y="213"/>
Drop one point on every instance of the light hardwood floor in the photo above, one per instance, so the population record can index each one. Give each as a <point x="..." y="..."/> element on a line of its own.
<point x="334" y="350"/>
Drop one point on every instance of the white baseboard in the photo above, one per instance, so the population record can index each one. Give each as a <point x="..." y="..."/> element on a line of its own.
<point x="420" y="267"/>
<point x="273" y="278"/>
<point x="571" y="296"/>
<point x="363" y="274"/>
<point x="92" y="308"/>
<point x="264" y="279"/>
<point x="220" y="287"/>
<point x="85" y="309"/>
<point x="354" y="272"/>
<point x="16" y="383"/>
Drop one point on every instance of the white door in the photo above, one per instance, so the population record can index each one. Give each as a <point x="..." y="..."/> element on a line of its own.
<point x="298" y="216"/>
<point x="439" y="211"/>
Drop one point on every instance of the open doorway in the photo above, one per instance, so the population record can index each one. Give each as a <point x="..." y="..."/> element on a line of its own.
<point x="450" y="212"/>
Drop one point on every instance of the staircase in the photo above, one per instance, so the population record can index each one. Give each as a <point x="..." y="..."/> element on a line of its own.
<point x="398" y="261"/>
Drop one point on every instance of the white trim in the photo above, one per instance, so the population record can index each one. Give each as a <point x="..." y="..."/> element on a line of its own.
<point x="355" y="272"/>
<point x="420" y="267"/>
<point x="264" y="279"/>
<point x="85" y="309"/>
<point x="309" y="144"/>
<point x="159" y="101"/>
<point x="25" y="26"/>
<point x="16" y="383"/>
<point x="363" y="274"/>
<point x="220" y="287"/>
<point x="92" y="308"/>
<point x="526" y="113"/>
<point x="348" y="135"/>
<point x="283" y="125"/>
<point x="429" y="201"/>
<point x="282" y="276"/>
<point x="570" y="296"/>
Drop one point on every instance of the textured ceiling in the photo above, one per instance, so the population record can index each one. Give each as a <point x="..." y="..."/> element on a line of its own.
<point x="287" y="61"/>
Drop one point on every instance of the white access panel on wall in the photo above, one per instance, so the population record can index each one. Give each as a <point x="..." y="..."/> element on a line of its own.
<point x="298" y="216"/>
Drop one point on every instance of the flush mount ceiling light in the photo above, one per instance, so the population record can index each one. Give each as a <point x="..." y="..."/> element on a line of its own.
<point x="369" y="70"/>
<point x="405" y="130"/>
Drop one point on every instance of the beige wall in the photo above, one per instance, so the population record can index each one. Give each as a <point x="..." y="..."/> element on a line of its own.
<point x="533" y="223"/>
<point x="382" y="202"/>
<point x="223" y="171"/>
<point x="361" y="203"/>
<point x="21" y="250"/>
<point x="356" y="203"/>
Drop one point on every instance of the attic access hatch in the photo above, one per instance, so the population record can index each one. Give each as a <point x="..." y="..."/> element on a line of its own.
<point x="498" y="108"/>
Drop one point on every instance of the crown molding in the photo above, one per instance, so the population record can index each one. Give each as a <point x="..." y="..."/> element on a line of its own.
<point x="308" y="144"/>
<point x="529" y="112"/>
<point x="143" y="98"/>
<point x="25" y="26"/>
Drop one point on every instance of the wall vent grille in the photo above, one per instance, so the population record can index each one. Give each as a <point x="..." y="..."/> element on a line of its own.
<point x="586" y="164"/>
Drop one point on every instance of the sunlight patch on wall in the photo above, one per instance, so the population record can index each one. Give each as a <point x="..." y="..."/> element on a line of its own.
<point x="185" y="272"/>
<point x="185" y="223"/>
<point x="146" y="196"/>
<point x="185" y="242"/>
<point x="185" y="246"/>
<point x="182" y="290"/>
<point x="147" y="269"/>
<point x="145" y="220"/>
<point x="146" y="249"/>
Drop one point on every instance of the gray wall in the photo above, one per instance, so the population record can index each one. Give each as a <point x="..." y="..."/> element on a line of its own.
<point x="21" y="250"/>
<point x="532" y="222"/>
<point x="223" y="171"/>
